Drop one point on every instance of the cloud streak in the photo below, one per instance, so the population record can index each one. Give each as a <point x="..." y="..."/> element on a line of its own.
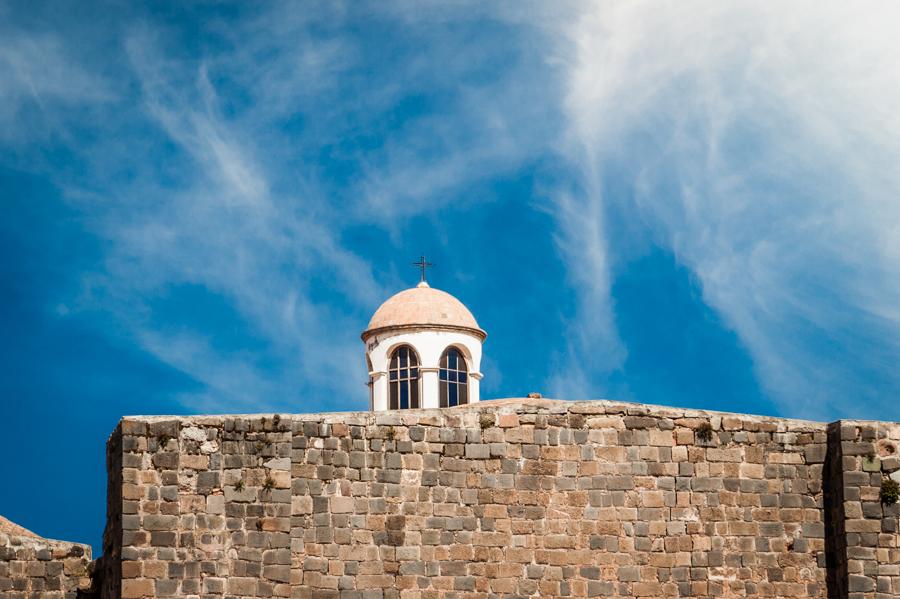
<point x="755" y="142"/>
<point x="37" y="80"/>
<point x="239" y="207"/>
<point x="264" y="162"/>
<point x="223" y="227"/>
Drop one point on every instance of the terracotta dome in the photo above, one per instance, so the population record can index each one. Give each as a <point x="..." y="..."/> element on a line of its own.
<point x="423" y="306"/>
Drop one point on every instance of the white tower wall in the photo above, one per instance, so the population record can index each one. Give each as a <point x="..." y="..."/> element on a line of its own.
<point x="429" y="344"/>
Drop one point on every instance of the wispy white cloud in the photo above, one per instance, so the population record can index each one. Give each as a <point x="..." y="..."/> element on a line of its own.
<point x="210" y="216"/>
<point x="593" y="346"/>
<point x="757" y="142"/>
<point x="234" y="235"/>
<point x="37" y="76"/>
<point x="256" y="199"/>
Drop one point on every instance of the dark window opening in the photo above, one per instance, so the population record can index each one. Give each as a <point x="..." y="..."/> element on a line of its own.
<point x="453" y="379"/>
<point x="403" y="379"/>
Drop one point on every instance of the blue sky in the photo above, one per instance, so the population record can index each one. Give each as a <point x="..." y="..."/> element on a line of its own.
<point x="691" y="204"/>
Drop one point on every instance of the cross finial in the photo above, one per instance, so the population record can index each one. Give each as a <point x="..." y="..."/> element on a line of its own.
<point x="422" y="264"/>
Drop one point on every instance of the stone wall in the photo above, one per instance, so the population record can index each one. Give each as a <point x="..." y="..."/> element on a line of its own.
<point x="32" y="568"/>
<point x="868" y="455"/>
<point x="504" y="499"/>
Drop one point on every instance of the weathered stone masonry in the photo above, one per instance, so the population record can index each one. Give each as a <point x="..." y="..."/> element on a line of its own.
<point x="869" y="563"/>
<point x="32" y="568"/>
<point x="504" y="499"/>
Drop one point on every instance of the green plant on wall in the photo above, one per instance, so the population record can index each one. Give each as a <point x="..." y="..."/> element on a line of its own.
<point x="704" y="432"/>
<point x="269" y="484"/>
<point x="486" y="420"/>
<point x="890" y="491"/>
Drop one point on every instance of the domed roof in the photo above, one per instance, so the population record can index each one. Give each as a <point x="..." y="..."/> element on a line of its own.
<point x="423" y="306"/>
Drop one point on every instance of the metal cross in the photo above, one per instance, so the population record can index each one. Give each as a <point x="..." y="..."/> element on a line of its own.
<point x="422" y="264"/>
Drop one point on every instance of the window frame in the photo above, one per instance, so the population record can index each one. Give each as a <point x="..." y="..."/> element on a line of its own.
<point x="453" y="380"/>
<point x="404" y="378"/>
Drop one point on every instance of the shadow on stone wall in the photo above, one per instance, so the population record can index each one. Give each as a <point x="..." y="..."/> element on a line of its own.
<point x="835" y="536"/>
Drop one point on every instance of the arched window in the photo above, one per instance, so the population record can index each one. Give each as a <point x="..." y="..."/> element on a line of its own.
<point x="454" y="379"/>
<point x="404" y="379"/>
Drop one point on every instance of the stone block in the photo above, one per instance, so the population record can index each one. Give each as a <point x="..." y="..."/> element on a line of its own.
<point x="871" y="464"/>
<point x="890" y="463"/>
<point x="159" y="522"/>
<point x="133" y="427"/>
<point x="752" y="470"/>
<point x="860" y="584"/>
<point x="341" y="505"/>
<point x="478" y="451"/>
<point x="662" y="438"/>
<point x="815" y="454"/>
<point x="215" y="504"/>
<point x="138" y="588"/>
<point x="600" y="589"/>
<point x="508" y="420"/>
<point x="863" y="526"/>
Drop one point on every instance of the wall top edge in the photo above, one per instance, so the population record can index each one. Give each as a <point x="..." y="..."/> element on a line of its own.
<point x="512" y="405"/>
<point x="28" y="541"/>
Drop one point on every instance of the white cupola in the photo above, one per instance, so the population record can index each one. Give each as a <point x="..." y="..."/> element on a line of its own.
<point x="423" y="350"/>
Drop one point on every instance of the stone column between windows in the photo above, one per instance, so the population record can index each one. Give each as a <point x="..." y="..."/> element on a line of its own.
<point x="379" y="391"/>
<point x="475" y="387"/>
<point x="430" y="397"/>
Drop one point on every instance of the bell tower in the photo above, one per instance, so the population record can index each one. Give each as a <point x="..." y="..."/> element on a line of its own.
<point x="423" y="350"/>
